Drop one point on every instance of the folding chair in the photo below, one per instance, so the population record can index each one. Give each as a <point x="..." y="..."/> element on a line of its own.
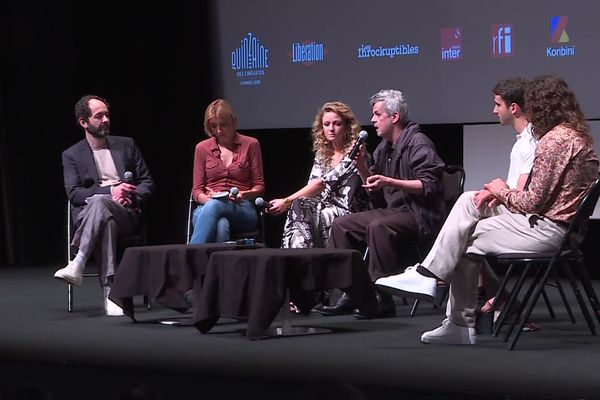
<point x="454" y="185"/>
<point x="138" y="238"/>
<point x="565" y="257"/>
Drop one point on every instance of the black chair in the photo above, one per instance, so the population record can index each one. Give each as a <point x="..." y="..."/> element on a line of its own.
<point x="454" y="186"/>
<point x="258" y="234"/>
<point x="568" y="258"/>
<point x="138" y="238"/>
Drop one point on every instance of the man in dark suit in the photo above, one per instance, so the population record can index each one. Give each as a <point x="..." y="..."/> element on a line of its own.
<point x="107" y="182"/>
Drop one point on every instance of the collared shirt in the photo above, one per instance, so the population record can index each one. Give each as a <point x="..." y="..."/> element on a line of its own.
<point x="245" y="172"/>
<point x="521" y="157"/>
<point x="564" y="168"/>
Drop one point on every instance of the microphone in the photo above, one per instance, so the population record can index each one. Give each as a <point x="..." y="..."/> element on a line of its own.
<point x="128" y="176"/>
<point x="260" y="203"/>
<point x="362" y="137"/>
<point x="234" y="191"/>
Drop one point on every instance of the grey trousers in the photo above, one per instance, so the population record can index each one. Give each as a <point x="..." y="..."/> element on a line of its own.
<point x="99" y="225"/>
<point x="468" y="235"/>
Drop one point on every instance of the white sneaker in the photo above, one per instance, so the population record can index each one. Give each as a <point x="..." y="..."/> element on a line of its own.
<point x="110" y="307"/>
<point x="72" y="274"/>
<point x="450" y="333"/>
<point x="410" y="283"/>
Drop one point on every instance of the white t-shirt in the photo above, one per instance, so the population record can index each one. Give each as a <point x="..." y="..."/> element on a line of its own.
<point x="521" y="157"/>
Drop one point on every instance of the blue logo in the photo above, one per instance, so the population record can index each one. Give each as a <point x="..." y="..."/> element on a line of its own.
<point x="501" y="40"/>
<point x="560" y="37"/>
<point x="370" y="51"/>
<point x="307" y="52"/>
<point x="250" y="60"/>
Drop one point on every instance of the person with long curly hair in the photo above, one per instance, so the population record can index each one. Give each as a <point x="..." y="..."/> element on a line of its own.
<point x="333" y="188"/>
<point x="532" y="221"/>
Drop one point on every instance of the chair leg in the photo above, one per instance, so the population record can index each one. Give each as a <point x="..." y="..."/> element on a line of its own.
<point x="584" y="277"/>
<point x="413" y="310"/>
<point x="512" y="298"/>
<point x="519" y="310"/>
<point x="530" y="302"/>
<point x="548" y="305"/>
<point x="564" y="298"/>
<point x="70" y="297"/>
<point x="579" y="297"/>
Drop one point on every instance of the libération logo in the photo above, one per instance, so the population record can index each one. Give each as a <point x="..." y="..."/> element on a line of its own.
<point x="560" y="39"/>
<point x="370" y="51"/>
<point x="250" y="60"/>
<point x="501" y="44"/>
<point x="451" y="43"/>
<point x="307" y="52"/>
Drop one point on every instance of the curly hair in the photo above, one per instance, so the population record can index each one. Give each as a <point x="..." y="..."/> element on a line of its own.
<point x="218" y="109"/>
<point x="82" y="107"/>
<point x="549" y="102"/>
<point x="322" y="147"/>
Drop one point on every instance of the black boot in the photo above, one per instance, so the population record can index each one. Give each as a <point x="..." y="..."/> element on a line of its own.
<point x="342" y="307"/>
<point x="386" y="308"/>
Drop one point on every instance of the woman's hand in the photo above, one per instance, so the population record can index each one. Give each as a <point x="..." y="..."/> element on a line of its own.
<point x="277" y="206"/>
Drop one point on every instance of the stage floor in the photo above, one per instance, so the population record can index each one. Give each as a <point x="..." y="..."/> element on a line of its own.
<point x="87" y="355"/>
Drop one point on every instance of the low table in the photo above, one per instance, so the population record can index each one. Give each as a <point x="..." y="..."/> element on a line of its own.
<point x="165" y="273"/>
<point x="255" y="283"/>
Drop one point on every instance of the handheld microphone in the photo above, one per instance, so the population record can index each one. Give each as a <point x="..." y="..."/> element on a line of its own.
<point x="260" y="203"/>
<point x="362" y="137"/>
<point x="128" y="176"/>
<point x="234" y="191"/>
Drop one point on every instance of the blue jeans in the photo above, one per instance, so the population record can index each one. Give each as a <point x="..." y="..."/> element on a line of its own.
<point x="214" y="220"/>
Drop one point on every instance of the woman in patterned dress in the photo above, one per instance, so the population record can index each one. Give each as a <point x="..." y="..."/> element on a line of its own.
<point x="334" y="186"/>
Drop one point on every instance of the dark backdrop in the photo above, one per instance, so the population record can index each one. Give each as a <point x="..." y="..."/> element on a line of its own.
<point x="152" y="63"/>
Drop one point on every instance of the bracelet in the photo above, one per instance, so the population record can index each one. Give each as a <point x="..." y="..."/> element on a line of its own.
<point x="288" y="203"/>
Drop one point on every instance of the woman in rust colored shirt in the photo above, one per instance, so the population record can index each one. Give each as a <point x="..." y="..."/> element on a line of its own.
<point x="226" y="160"/>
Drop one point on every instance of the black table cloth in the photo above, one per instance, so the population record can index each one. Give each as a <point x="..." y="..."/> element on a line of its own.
<point x="254" y="283"/>
<point x="164" y="273"/>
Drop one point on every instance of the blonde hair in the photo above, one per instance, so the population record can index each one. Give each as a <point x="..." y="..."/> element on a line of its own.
<point x="218" y="109"/>
<point x="322" y="147"/>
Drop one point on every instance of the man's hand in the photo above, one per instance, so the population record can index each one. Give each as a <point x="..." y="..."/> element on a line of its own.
<point x="376" y="182"/>
<point x="124" y="193"/>
<point x="482" y="197"/>
<point x="494" y="186"/>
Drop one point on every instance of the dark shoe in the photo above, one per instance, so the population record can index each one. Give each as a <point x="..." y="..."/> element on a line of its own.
<point x="342" y="307"/>
<point x="386" y="308"/>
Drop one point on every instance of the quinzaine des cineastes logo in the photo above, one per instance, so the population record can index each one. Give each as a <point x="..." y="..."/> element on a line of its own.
<point x="307" y="52"/>
<point x="559" y="37"/>
<point x="250" y="61"/>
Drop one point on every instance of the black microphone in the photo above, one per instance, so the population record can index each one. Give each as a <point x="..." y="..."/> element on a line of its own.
<point x="260" y="203"/>
<point x="362" y="137"/>
<point x="128" y="176"/>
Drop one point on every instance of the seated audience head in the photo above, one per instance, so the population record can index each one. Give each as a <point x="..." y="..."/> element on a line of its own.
<point x="220" y="121"/>
<point x="335" y="126"/>
<point x="550" y="102"/>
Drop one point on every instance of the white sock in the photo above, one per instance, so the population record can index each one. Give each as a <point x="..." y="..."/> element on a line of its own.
<point x="80" y="259"/>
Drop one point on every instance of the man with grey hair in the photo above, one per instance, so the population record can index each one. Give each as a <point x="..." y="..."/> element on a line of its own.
<point x="405" y="184"/>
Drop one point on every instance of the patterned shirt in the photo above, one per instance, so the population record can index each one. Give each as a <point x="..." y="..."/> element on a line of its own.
<point x="564" y="168"/>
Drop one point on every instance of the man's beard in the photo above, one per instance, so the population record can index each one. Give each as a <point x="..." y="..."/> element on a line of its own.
<point x="99" y="132"/>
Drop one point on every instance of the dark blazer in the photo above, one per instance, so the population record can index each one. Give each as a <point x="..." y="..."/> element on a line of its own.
<point x="81" y="176"/>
